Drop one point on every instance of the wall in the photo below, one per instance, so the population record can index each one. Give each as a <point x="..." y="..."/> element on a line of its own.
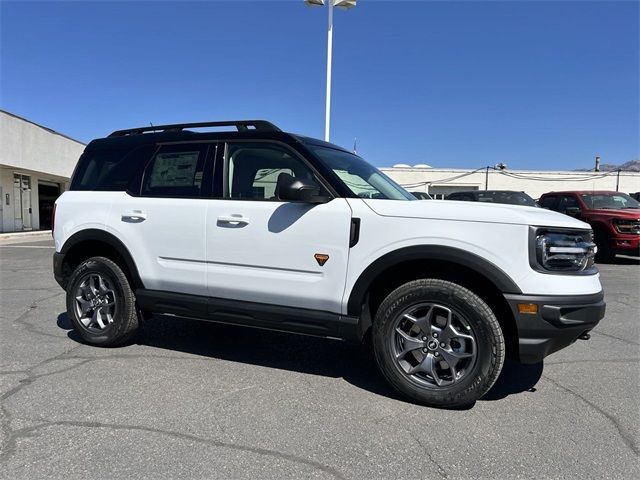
<point x="7" y="212"/>
<point x="413" y="179"/>
<point x="32" y="150"/>
<point x="25" y="145"/>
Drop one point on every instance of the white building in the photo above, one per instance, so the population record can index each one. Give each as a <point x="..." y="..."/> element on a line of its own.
<point x="439" y="182"/>
<point x="35" y="166"/>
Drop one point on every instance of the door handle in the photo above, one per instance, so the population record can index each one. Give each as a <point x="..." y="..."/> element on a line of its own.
<point x="234" y="220"/>
<point x="134" y="216"/>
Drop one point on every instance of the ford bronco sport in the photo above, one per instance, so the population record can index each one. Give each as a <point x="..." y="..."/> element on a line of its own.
<point x="268" y="229"/>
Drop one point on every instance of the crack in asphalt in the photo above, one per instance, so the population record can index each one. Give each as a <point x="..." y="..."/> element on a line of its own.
<point x="626" y="438"/>
<point x="28" y="431"/>
<point x="440" y="469"/>
<point x="21" y="319"/>
<point x="567" y="362"/>
<point x="630" y="342"/>
<point x="13" y="435"/>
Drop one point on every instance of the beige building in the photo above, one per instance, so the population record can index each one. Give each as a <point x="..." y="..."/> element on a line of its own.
<point x="35" y="166"/>
<point x="439" y="182"/>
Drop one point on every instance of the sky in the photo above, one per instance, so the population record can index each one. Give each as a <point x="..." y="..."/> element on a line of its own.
<point x="533" y="84"/>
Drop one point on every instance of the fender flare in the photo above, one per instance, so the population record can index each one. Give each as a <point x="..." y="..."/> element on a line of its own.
<point x="95" y="234"/>
<point x="427" y="252"/>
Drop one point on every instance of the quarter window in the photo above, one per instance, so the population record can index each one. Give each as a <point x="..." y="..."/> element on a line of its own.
<point x="110" y="170"/>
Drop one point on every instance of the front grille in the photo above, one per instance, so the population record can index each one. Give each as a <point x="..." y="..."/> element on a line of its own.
<point x="628" y="226"/>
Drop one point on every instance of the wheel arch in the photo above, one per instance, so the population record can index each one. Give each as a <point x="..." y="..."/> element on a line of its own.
<point x="95" y="242"/>
<point x="393" y="269"/>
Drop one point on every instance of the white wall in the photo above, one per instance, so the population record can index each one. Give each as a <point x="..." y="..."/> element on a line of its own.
<point x="36" y="151"/>
<point x="552" y="180"/>
<point x="24" y="145"/>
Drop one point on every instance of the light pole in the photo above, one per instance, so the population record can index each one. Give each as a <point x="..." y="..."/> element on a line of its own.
<point x="344" y="4"/>
<point x="497" y="166"/>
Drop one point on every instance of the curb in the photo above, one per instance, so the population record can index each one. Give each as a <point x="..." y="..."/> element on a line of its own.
<point x="34" y="235"/>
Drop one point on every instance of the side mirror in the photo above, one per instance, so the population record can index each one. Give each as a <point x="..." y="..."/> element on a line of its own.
<point x="298" y="190"/>
<point x="572" y="211"/>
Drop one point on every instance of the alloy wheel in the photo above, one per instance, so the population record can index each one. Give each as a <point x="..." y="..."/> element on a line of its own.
<point x="95" y="302"/>
<point x="433" y="345"/>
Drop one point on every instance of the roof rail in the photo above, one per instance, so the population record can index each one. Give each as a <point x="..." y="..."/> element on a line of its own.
<point x="240" y="125"/>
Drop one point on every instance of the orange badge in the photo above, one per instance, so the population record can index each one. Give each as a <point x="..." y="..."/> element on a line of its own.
<point x="321" y="258"/>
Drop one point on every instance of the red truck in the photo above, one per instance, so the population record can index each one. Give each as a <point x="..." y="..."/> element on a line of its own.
<point x="614" y="217"/>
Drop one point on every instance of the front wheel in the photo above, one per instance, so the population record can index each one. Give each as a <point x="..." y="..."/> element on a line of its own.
<point x="101" y="303"/>
<point x="438" y="343"/>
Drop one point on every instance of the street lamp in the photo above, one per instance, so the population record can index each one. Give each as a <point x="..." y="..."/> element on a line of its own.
<point x="344" y="4"/>
<point x="497" y="166"/>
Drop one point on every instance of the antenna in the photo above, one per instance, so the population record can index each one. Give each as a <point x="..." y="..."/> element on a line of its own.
<point x="355" y="144"/>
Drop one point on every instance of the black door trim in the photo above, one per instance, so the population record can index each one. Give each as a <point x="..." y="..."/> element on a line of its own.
<point x="251" y="314"/>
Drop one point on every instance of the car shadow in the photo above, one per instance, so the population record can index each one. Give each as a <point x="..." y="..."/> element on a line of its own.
<point x="625" y="260"/>
<point x="297" y="353"/>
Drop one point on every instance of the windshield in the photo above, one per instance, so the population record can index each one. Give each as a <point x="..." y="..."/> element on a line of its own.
<point x="361" y="179"/>
<point x="609" y="201"/>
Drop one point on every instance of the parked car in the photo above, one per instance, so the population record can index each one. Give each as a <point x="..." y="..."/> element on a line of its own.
<point x="421" y="195"/>
<point x="635" y="196"/>
<point x="494" y="196"/>
<point x="614" y="217"/>
<point x="262" y="228"/>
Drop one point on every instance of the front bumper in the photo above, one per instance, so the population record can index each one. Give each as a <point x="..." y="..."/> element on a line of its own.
<point x="626" y="244"/>
<point x="559" y="321"/>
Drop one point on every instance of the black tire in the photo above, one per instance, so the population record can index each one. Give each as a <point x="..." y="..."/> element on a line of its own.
<point x="125" y="315"/>
<point x="489" y="342"/>
<point x="605" y="254"/>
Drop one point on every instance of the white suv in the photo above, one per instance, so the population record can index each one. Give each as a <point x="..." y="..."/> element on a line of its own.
<point x="268" y="229"/>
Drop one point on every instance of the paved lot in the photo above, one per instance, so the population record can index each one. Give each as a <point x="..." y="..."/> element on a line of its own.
<point x="193" y="399"/>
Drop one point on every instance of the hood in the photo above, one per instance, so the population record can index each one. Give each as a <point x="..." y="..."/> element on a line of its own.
<point x="474" y="212"/>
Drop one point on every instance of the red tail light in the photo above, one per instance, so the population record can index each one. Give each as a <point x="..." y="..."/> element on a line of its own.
<point x="53" y="219"/>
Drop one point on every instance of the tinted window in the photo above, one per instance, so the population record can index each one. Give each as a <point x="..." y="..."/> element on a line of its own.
<point x="511" y="198"/>
<point x="567" y="201"/>
<point x="252" y="170"/>
<point x="468" y="197"/>
<point x="175" y="171"/>
<point x="548" y="202"/>
<point x="110" y="170"/>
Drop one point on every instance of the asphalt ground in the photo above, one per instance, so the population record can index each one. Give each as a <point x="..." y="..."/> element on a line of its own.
<point x="199" y="400"/>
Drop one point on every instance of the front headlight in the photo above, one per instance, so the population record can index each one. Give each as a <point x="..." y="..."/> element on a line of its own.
<point x="564" y="251"/>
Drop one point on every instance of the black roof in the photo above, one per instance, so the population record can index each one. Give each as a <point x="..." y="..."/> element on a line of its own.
<point x="240" y="130"/>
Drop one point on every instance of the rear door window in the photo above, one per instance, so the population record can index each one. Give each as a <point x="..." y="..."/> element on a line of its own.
<point x="175" y="171"/>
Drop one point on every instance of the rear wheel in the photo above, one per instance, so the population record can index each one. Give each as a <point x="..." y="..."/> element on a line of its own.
<point x="438" y="343"/>
<point x="101" y="303"/>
